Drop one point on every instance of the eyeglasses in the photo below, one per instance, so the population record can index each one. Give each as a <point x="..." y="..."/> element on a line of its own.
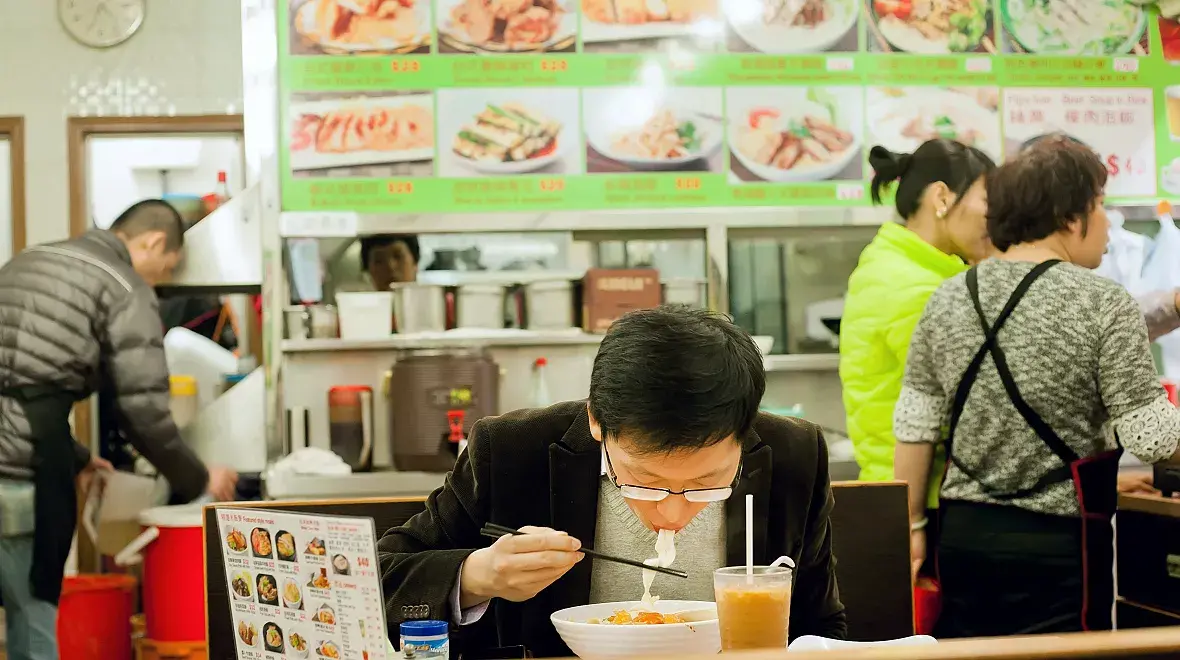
<point x="649" y="494"/>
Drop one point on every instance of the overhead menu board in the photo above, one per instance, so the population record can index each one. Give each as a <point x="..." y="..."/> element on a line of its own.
<point x="459" y="106"/>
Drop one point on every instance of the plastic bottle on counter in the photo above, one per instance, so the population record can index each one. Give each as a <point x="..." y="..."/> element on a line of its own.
<point x="425" y="640"/>
<point x="540" y="392"/>
<point x="183" y="402"/>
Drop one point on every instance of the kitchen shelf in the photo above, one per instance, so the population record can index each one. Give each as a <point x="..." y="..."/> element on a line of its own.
<point x="445" y="340"/>
<point x="349" y="224"/>
<point x="803" y="362"/>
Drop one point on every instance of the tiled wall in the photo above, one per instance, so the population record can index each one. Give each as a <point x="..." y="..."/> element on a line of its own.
<point x="186" y="59"/>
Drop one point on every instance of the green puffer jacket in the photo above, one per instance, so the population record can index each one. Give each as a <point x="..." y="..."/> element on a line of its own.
<point x="887" y="293"/>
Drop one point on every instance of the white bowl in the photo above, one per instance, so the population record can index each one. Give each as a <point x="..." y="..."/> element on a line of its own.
<point x="597" y="641"/>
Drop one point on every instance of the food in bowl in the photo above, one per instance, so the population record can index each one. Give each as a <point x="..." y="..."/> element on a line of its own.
<point x="328" y="650"/>
<point x="298" y="643"/>
<point x="272" y="637"/>
<point x="639" y="618"/>
<point x="320" y="580"/>
<point x="285" y="545"/>
<point x="268" y="590"/>
<point x="325" y="615"/>
<point x="247" y="633"/>
<point x="260" y="542"/>
<point x="235" y="541"/>
<point x="698" y="635"/>
<point x="316" y="547"/>
<point x="241" y="585"/>
<point x="291" y="594"/>
<point x="340" y="565"/>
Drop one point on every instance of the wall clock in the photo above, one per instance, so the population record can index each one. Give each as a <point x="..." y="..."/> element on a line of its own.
<point x="101" y="23"/>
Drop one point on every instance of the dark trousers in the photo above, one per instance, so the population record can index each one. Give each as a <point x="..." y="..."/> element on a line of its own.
<point x="1008" y="571"/>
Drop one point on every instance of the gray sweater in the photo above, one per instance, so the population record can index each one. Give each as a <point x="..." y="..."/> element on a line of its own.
<point x="1077" y="347"/>
<point x="700" y="550"/>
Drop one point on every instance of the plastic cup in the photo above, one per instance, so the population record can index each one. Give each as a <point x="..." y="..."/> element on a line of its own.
<point x="753" y="611"/>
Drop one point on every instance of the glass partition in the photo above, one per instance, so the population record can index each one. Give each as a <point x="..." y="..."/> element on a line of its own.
<point x="5" y="200"/>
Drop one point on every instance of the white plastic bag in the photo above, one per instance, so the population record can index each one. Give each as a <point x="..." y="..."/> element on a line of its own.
<point x="1162" y="273"/>
<point x="1125" y="255"/>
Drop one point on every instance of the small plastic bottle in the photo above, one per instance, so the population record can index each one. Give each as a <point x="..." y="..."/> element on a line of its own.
<point x="425" y="640"/>
<point x="540" y="394"/>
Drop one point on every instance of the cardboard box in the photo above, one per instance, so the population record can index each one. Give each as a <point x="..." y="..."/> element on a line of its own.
<point x="609" y="293"/>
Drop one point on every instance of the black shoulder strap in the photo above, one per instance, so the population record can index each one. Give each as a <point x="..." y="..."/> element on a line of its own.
<point x="1034" y="420"/>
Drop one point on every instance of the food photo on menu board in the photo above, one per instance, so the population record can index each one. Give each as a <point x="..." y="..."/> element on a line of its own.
<point x="795" y="134"/>
<point x="303" y="586"/>
<point x="361" y="135"/>
<point x="500" y="132"/>
<point x="902" y="118"/>
<point x="653" y="129"/>
<point x="507" y="26"/>
<point x="361" y="27"/>
<point x="792" y="26"/>
<point x="1116" y="123"/>
<point x="1074" y="27"/>
<point x="1170" y="172"/>
<point x="638" y="26"/>
<point x="931" y="27"/>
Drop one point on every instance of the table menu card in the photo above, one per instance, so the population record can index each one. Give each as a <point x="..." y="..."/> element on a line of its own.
<point x="303" y="585"/>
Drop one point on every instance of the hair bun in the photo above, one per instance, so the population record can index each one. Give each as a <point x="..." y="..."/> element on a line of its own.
<point x="887" y="165"/>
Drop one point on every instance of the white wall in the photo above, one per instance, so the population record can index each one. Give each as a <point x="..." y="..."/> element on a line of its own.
<point x="186" y="59"/>
<point x="5" y="200"/>
<point x="125" y="170"/>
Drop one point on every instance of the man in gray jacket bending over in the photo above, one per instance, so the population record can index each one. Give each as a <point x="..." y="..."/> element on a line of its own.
<point x="73" y="316"/>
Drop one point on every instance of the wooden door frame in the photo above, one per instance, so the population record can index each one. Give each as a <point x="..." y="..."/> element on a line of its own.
<point x="13" y="129"/>
<point x="78" y="130"/>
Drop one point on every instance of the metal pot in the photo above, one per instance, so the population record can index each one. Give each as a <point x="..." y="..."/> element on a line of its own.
<point x="685" y="291"/>
<point x="480" y="306"/>
<point x="419" y="307"/>
<point x="550" y="305"/>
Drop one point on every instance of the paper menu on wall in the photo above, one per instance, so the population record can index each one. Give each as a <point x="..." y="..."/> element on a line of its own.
<point x="303" y="586"/>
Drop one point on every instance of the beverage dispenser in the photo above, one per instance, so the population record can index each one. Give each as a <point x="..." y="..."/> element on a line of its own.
<point x="434" y="399"/>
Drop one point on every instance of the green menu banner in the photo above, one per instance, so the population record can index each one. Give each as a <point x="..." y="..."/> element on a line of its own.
<point x="536" y="105"/>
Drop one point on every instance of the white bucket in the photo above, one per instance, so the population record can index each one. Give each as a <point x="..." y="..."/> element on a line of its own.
<point x="365" y="315"/>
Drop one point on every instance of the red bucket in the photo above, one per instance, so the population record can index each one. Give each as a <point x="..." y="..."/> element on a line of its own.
<point x="927" y="605"/>
<point x="94" y="617"/>
<point x="173" y="550"/>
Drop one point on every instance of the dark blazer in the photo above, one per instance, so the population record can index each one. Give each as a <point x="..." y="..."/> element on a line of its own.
<point x="542" y="467"/>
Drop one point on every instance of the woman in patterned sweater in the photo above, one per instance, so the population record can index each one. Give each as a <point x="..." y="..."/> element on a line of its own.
<point x="1017" y="366"/>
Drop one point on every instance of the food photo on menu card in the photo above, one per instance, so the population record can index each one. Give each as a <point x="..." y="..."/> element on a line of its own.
<point x="931" y="27"/>
<point x="359" y="27"/>
<point x="792" y="26"/>
<point x="902" y="118"/>
<point x="795" y="134"/>
<point x="1116" y="123"/>
<point x="507" y="26"/>
<point x="1074" y="27"/>
<point x="653" y="129"/>
<point x="648" y="26"/>
<point x="503" y="132"/>
<point x="361" y="135"/>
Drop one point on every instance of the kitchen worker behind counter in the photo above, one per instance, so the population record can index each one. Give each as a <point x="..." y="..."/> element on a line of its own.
<point x="1016" y="367"/>
<point x="670" y="438"/>
<point x="72" y="315"/>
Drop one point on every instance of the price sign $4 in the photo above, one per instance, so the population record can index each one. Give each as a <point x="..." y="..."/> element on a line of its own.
<point x="1117" y="165"/>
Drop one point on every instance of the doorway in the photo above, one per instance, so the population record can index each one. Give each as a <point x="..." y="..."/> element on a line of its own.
<point x="12" y="187"/>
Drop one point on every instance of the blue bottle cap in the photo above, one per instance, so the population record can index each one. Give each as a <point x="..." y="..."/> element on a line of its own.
<point x="423" y="628"/>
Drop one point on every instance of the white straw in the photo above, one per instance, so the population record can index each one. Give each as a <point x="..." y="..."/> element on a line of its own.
<point x="750" y="538"/>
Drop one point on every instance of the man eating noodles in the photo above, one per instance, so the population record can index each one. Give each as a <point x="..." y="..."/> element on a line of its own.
<point x="670" y="439"/>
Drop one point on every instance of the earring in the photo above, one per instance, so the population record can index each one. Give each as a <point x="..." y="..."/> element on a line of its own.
<point x="941" y="213"/>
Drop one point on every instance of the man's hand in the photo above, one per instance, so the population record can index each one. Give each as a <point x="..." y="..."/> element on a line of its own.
<point x="86" y="477"/>
<point x="516" y="568"/>
<point x="1137" y="482"/>
<point x="223" y="483"/>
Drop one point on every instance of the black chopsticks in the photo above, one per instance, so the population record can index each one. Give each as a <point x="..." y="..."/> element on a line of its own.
<point x="494" y="531"/>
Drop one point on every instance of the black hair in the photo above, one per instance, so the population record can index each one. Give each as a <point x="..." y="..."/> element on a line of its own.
<point x="152" y="215"/>
<point x="675" y="378"/>
<point x="948" y="161"/>
<point x="1052" y="183"/>
<point x="370" y="243"/>
<point x="1057" y="135"/>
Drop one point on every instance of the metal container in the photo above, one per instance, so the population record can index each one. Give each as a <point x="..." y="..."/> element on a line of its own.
<point x="324" y="321"/>
<point x="481" y="306"/>
<point x="549" y="305"/>
<point x="419" y="307"/>
<point x="685" y="291"/>
<point x="297" y="322"/>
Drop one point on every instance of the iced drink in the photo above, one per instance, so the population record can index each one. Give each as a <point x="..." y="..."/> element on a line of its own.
<point x="753" y="611"/>
<point x="1172" y="108"/>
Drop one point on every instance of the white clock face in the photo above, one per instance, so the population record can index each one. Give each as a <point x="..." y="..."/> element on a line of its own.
<point x="101" y="23"/>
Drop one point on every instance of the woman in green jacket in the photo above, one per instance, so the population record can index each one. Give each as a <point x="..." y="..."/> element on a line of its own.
<point x="941" y="200"/>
